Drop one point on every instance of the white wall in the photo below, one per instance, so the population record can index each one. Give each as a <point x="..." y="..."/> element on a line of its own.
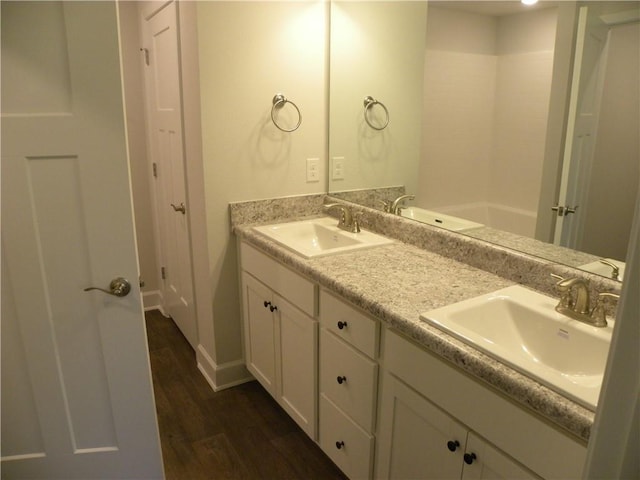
<point x="373" y="50"/>
<point x="615" y="172"/>
<point x="248" y="52"/>
<point x="487" y="88"/>
<point x="459" y="98"/>
<point x="523" y="87"/>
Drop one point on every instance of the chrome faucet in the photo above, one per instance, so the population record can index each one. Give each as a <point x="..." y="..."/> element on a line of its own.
<point x="347" y="220"/>
<point x="395" y="207"/>
<point x="575" y="301"/>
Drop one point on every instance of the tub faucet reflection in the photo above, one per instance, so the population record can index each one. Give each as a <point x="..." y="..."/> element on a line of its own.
<point x="395" y="206"/>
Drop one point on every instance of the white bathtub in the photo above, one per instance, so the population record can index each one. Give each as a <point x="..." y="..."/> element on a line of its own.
<point x="500" y="217"/>
<point x="437" y="219"/>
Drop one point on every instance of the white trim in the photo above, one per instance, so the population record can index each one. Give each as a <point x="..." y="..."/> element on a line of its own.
<point x="152" y="300"/>
<point x="220" y="377"/>
<point x="615" y="440"/>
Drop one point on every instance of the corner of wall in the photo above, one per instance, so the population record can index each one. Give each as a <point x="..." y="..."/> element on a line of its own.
<point x="220" y="377"/>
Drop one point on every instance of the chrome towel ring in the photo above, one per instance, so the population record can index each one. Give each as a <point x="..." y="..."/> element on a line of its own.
<point x="369" y="103"/>
<point x="279" y="101"/>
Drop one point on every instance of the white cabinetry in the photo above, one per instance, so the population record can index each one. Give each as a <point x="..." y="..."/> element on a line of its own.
<point x="348" y="385"/>
<point x="420" y="441"/>
<point x="426" y="404"/>
<point x="280" y="334"/>
<point x="429" y="411"/>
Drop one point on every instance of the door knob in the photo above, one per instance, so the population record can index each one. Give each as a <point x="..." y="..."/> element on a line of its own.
<point x="563" y="211"/>
<point x="119" y="287"/>
<point x="180" y="208"/>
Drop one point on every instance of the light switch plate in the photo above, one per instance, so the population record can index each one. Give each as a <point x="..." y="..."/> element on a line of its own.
<point x="313" y="170"/>
<point x="337" y="168"/>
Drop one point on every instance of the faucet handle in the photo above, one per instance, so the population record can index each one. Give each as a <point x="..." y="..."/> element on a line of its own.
<point x="355" y="224"/>
<point x="386" y="205"/>
<point x="599" y="315"/>
<point x="566" y="299"/>
<point x="558" y="277"/>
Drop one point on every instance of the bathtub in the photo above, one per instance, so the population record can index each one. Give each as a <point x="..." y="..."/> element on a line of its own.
<point x="437" y="219"/>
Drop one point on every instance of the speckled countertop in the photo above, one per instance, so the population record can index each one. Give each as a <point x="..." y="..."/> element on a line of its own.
<point x="397" y="282"/>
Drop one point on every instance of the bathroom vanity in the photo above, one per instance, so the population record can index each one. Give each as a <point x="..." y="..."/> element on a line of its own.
<point x="339" y="343"/>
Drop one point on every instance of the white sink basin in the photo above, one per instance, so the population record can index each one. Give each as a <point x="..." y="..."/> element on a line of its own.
<point x="320" y="237"/>
<point x="455" y="224"/>
<point x="521" y="328"/>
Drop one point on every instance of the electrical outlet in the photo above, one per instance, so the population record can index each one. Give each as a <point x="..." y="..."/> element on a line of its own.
<point x="313" y="170"/>
<point x="337" y="168"/>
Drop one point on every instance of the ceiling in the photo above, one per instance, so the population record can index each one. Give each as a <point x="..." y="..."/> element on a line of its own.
<point x="493" y="8"/>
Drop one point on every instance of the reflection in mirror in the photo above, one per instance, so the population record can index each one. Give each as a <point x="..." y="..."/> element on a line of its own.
<point x="498" y="90"/>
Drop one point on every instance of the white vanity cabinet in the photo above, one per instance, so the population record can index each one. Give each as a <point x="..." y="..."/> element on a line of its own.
<point x="418" y="440"/>
<point x="348" y="385"/>
<point x="430" y="413"/>
<point x="280" y="334"/>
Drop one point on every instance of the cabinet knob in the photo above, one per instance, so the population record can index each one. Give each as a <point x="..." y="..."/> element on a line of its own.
<point x="273" y="308"/>
<point x="469" y="458"/>
<point x="342" y="379"/>
<point x="453" y="445"/>
<point x="342" y="325"/>
<point x="339" y="445"/>
<point x="266" y="304"/>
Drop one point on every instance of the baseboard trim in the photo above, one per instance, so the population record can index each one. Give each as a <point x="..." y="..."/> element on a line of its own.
<point x="152" y="300"/>
<point x="220" y="377"/>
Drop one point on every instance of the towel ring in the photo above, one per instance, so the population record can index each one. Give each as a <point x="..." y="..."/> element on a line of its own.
<point x="369" y="103"/>
<point x="279" y="101"/>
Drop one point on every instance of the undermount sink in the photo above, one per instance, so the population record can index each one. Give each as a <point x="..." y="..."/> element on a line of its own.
<point x="522" y="329"/>
<point x="320" y="237"/>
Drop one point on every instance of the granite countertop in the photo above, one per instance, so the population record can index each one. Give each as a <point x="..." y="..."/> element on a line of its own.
<point x="397" y="282"/>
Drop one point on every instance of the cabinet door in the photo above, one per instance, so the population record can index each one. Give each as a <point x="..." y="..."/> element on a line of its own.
<point x="259" y="332"/>
<point x="489" y="462"/>
<point x="298" y="352"/>
<point x="414" y="436"/>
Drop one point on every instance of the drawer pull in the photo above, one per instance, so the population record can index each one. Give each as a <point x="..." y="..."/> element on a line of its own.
<point x="342" y="379"/>
<point x="339" y="445"/>
<point x="469" y="458"/>
<point x="273" y="308"/>
<point x="266" y="304"/>
<point x="453" y="445"/>
<point x="342" y="324"/>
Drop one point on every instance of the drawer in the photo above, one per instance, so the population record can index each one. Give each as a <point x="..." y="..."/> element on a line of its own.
<point x="295" y="288"/>
<point x="349" y="324"/>
<point x="348" y="379"/>
<point x="350" y="447"/>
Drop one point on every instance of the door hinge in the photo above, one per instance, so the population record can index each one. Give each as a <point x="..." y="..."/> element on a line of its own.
<point x="163" y="273"/>
<point x="155" y="169"/>
<point x="146" y="55"/>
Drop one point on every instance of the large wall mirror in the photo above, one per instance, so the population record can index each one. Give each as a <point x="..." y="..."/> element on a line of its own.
<point x="517" y="125"/>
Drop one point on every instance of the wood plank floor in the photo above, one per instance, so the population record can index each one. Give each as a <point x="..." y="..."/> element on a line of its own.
<point x="238" y="433"/>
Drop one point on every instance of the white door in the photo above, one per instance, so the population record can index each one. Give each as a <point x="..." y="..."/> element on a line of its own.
<point x="586" y="92"/>
<point x="164" y="112"/>
<point x="260" y="333"/>
<point x="77" y="399"/>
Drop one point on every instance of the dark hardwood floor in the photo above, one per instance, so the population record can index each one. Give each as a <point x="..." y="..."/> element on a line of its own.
<point x="238" y="433"/>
